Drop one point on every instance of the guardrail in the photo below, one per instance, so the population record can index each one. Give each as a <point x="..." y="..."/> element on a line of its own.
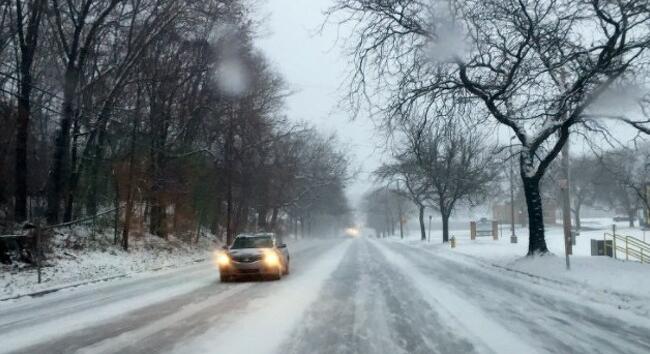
<point x="629" y="246"/>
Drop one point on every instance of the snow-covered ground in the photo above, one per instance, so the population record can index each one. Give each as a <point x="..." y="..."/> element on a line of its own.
<point x="595" y="275"/>
<point x="343" y="296"/>
<point x="98" y="260"/>
<point x="115" y="316"/>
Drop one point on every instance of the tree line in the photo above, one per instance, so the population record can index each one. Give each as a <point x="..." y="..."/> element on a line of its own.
<point x="437" y="166"/>
<point x="161" y="109"/>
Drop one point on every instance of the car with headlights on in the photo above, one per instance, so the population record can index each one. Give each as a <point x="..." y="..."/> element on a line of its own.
<point x="253" y="255"/>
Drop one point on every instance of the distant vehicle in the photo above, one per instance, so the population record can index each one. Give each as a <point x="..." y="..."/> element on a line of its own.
<point x="621" y="218"/>
<point x="249" y="255"/>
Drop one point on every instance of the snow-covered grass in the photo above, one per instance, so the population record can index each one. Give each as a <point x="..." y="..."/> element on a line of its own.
<point x="76" y="258"/>
<point x="602" y="275"/>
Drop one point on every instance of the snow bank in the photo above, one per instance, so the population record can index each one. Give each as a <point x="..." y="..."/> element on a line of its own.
<point x="68" y="267"/>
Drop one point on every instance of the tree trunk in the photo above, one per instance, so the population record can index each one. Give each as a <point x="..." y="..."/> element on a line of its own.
<point x="128" y="211"/>
<point x="631" y="214"/>
<point x="74" y="177"/>
<point x="157" y="219"/>
<point x="445" y="226"/>
<point x="423" y="232"/>
<point x="61" y="147"/>
<point x="28" y="42"/>
<point x="576" y="214"/>
<point x="229" y="207"/>
<point x="216" y="218"/>
<point x="536" y="242"/>
<point x="22" y="135"/>
<point x="295" y="228"/>
<point x="242" y="219"/>
<point x="274" y="219"/>
<point x="302" y="227"/>
<point x="116" y="205"/>
<point x="93" y="173"/>
<point x="261" y="218"/>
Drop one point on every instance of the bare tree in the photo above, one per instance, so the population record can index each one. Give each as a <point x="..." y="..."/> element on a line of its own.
<point x="28" y="18"/>
<point x="381" y="208"/>
<point x="160" y="114"/>
<point x="418" y="188"/>
<point x="622" y="180"/>
<point x="77" y="27"/>
<point x="527" y="62"/>
<point x="458" y="166"/>
<point x="583" y="173"/>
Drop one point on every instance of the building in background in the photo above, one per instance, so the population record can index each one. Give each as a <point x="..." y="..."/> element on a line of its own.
<point x="501" y="213"/>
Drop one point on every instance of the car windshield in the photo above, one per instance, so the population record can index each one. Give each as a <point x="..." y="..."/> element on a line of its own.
<point x="253" y="242"/>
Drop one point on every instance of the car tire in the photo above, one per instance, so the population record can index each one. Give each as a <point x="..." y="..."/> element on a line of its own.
<point x="286" y="269"/>
<point x="226" y="278"/>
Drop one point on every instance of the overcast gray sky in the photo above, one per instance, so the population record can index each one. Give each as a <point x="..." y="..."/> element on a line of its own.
<point x="314" y="67"/>
<point x="312" y="63"/>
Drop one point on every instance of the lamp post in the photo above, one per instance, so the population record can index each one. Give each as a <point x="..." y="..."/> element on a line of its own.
<point x="429" y="233"/>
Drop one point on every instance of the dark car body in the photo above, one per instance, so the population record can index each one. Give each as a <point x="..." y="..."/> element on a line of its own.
<point x="254" y="255"/>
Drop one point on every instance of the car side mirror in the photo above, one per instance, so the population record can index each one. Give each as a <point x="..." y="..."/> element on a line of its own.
<point x="282" y="245"/>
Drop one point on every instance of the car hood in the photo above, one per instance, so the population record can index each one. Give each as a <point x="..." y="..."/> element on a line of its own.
<point x="243" y="252"/>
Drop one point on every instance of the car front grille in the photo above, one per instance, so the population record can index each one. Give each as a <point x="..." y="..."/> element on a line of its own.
<point x="247" y="259"/>
<point x="249" y="271"/>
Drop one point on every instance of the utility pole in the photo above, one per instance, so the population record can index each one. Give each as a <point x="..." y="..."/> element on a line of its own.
<point x="566" y="203"/>
<point x="513" y="236"/>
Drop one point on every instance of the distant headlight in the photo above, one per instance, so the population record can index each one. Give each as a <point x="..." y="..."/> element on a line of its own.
<point x="223" y="259"/>
<point x="352" y="231"/>
<point x="271" y="259"/>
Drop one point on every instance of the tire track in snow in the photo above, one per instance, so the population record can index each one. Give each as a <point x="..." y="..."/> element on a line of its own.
<point x="368" y="307"/>
<point x="470" y="318"/>
<point x="262" y="323"/>
<point x="548" y="319"/>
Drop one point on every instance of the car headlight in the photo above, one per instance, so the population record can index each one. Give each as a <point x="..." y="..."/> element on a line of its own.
<point x="223" y="259"/>
<point x="271" y="259"/>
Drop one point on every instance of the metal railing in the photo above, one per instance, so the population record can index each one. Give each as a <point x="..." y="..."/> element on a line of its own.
<point x="630" y="247"/>
<point x="94" y="222"/>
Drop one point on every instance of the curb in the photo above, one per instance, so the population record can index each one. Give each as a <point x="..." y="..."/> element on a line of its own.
<point x="43" y="292"/>
<point x="530" y="275"/>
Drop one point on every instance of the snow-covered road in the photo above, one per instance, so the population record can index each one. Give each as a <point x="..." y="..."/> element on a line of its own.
<point x="343" y="296"/>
